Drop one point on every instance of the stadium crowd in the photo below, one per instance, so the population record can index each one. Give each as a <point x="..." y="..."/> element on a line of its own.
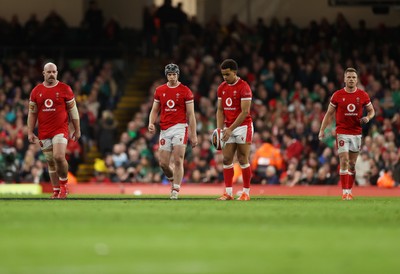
<point x="292" y="71"/>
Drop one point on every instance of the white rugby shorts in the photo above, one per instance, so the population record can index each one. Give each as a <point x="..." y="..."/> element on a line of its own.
<point x="176" y="135"/>
<point x="57" y="139"/>
<point x="346" y="143"/>
<point x="241" y="135"/>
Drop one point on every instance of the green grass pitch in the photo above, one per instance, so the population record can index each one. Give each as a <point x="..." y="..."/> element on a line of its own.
<point x="123" y="234"/>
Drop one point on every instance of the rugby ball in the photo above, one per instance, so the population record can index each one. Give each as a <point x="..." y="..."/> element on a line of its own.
<point x="216" y="139"/>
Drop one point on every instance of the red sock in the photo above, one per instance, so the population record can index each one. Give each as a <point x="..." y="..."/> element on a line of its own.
<point x="352" y="178"/>
<point x="246" y="173"/>
<point x="344" y="179"/>
<point x="228" y="175"/>
<point x="63" y="181"/>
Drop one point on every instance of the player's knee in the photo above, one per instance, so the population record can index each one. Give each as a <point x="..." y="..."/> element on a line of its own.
<point x="226" y="162"/>
<point x="164" y="165"/>
<point x="48" y="155"/>
<point x="242" y="160"/>
<point x="344" y="164"/>
<point x="59" y="158"/>
<point x="243" y="163"/>
<point x="178" y="161"/>
<point x="49" y="158"/>
<point x="52" y="166"/>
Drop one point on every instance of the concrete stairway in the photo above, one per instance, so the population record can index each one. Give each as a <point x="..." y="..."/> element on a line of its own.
<point x="136" y="92"/>
<point x="86" y="169"/>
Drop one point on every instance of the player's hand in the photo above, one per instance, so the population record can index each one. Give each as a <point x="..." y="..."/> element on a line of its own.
<point x="364" y="120"/>
<point x="151" y="128"/>
<point x="32" y="138"/>
<point x="226" y="133"/>
<point x="193" y="141"/>
<point x="76" y="135"/>
<point x="321" y="136"/>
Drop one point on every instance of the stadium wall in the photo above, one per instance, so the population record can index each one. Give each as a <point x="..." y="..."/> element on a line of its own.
<point x="129" y="13"/>
<point x="302" y="12"/>
<point x="71" y="10"/>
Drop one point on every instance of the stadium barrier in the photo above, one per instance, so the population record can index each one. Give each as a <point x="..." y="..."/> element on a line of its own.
<point x="21" y="189"/>
<point x="216" y="189"/>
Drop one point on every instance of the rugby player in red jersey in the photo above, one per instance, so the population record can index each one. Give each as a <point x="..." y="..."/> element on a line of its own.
<point x="175" y="101"/>
<point x="233" y="116"/>
<point x="347" y="104"/>
<point x="51" y="104"/>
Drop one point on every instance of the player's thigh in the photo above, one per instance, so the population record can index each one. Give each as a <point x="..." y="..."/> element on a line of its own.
<point x="48" y="154"/>
<point x="165" y="157"/>
<point x="353" y="158"/>
<point x="179" y="153"/>
<point x="165" y="142"/>
<point x="343" y="143"/>
<point x="59" y="147"/>
<point x="229" y="152"/>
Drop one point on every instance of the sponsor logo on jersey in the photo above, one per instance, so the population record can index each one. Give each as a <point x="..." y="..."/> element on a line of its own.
<point x="48" y="104"/>
<point x="351" y="108"/>
<point x="228" y="102"/>
<point x="170" y="104"/>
